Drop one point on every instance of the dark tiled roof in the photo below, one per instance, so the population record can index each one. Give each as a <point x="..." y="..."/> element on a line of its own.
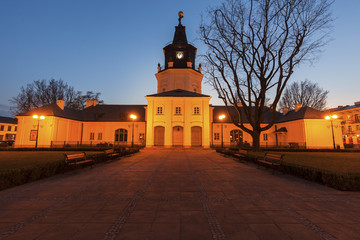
<point x="302" y="113"/>
<point x="54" y="110"/>
<point x="8" y="120"/>
<point x="178" y="93"/>
<point x="99" y="113"/>
<point x="219" y="110"/>
<point x="346" y="108"/>
<point x="114" y="113"/>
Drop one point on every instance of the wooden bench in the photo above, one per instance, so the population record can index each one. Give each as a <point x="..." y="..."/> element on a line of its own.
<point x="77" y="159"/>
<point x="271" y="159"/>
<point x="111" y="153"/>
<point x="242" y="153"/>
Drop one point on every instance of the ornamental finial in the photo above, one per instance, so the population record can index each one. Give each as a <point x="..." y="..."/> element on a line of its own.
<point x="181" y="15"/>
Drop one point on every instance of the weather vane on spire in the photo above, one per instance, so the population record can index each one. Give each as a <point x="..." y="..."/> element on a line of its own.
<point x="181" y="15"/>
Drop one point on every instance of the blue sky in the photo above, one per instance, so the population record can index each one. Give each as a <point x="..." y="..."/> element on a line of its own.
<point x="113" y="47"/>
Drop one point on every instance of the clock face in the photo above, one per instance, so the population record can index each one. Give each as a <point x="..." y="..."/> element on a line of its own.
<point x="179" y="55"/>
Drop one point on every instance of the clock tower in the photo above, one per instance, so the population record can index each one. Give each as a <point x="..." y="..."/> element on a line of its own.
<point x="179" y="70"/>
<point x="178" y="114"/>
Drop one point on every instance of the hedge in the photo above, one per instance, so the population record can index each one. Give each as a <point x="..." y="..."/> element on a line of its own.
<point x="15" y="177"/>
<point x="340" y="181"/>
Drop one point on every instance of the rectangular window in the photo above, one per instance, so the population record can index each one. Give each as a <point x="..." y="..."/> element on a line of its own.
<point x="349" y="129"/>
<point x="9" y="128"/>
<point x="216" y="136"/>
<point x="1" y="137"/>
<point x="159" y="111"/>
<point x="2" y="128"/>
<point x="141" y="136"/>
<point x="357" y="118"/>
<point x="92" y="135"/>
<point x="15" y="128"/>
<point x="265" y="136"/>
<point x="178" y="110"/>
<point x="357" y="127"/>
<point x="99" y="136"/>
<point x="196" y="110"/>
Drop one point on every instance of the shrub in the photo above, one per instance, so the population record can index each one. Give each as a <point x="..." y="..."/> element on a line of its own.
<point x="340" y="181"/>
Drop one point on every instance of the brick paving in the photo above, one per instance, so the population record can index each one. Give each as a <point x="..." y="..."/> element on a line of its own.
<point x="177" y="194"/>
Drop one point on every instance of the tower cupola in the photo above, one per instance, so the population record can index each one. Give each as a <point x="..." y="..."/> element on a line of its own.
<point x="180" y="54"/>
<point x="179" y="71"/>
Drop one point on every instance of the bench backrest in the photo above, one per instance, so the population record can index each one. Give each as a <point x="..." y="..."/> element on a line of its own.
<point x="109" y="151"/>
<point x="244" y="152"/>
<point x="273" y="157"/>
<point x="74" y="157"/>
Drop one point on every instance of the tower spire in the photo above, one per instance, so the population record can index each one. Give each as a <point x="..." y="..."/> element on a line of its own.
<point x="181" y="15"/>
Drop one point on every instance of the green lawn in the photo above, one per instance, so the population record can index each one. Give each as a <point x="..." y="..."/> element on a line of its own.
<point x="341" y="162"/>
<point x="19" y="159"/>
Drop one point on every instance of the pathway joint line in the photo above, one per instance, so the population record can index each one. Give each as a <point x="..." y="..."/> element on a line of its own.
<point x="306" y="222"/>
<point x="215" y="227"/>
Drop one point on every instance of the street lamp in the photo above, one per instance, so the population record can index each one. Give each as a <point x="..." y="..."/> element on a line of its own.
<point x="221" y="118"/>
<point x="331" y="118"/>
<point x="37" y="130"/>
<point x="133" y="118"/>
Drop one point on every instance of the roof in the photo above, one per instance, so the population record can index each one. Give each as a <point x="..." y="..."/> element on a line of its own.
<point x="99" y="113"/>
<point x="347" y="107"/>
<point x="178" y="93"/>
<point x="219" y="110"/>
<point x="8" y="120"/>
<point x="54" y="110"/>
<point x="114" y="113"/>
<point x="302" y="113"/>
<point x="180" y="35"/>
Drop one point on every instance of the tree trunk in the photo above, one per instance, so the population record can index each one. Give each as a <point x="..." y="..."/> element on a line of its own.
<point x="256" y="141"/>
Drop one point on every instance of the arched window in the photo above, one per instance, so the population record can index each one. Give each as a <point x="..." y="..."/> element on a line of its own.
<point x="121" y="135"/>
<point x="236" y="136"/>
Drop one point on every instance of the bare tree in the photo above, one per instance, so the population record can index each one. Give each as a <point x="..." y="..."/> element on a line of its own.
<point x="306" y="93"/>
<point x="254" y="47"/>
<point x="43" y="92"/>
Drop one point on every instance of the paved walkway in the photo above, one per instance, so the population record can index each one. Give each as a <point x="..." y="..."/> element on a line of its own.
<point x="177" y="194"/>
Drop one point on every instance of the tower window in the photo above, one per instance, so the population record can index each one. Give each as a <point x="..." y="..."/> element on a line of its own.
<point x="196" y="110"/>
<point x="178" y="111"/>
<point x="159" y="111"/>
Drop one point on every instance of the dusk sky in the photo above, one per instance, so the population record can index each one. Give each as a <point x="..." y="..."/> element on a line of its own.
<point x="113" y="47"/>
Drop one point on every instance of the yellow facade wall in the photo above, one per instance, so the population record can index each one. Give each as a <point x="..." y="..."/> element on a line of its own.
<point x="172" y="78"/>
<point x="169" y="119"/>
<point x="55" y="131"/>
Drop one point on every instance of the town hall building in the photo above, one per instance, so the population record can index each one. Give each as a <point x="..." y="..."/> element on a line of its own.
<point x="177" y="115"/>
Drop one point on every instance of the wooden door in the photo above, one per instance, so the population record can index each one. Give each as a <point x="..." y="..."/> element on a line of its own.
<point x="178" y="136"/>
<point x="196" y="136"/>
<point x="159" y="136"/>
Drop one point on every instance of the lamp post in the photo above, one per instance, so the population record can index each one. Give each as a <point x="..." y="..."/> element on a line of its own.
<point x="133" y="118"/>
<point x="221" y="118"/>
<point x="331" y="118"/>
<point x="37" y="130"/>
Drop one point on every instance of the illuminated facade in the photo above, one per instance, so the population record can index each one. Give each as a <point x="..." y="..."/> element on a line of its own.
<point x="177" y="115"/>
<point x="350" y="124"/>
<point x="8" y="128"/>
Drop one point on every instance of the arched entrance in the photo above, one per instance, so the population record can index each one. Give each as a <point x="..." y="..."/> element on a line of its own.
<point x="159" y="136"/>
<point x="196" y="136"/>
<point x="236" y="138"/>
<point x="178" y="136"/>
